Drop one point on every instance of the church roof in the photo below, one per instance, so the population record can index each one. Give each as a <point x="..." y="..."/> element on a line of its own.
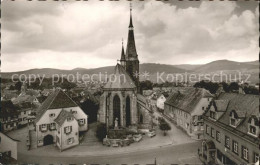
<point x="58" y="99"/>
<point x="120" y="80"/>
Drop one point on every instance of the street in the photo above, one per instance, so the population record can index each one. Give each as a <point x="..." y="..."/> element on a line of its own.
<point x="178" y="154"/>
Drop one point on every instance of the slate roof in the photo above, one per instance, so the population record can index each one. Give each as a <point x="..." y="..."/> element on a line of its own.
<point x="221" y="105"/>
<point x="245" y="106"/>
<point x="24" y="98"/>
<point x="187" y="98"/>
<point x="58" y="99"/>
<point x="121" y="80"/>
<point x="62" y="117"/>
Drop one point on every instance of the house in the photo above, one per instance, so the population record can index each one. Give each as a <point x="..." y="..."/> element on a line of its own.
<point x="46" y="92"/>
<point x="26" y="112"/>
<point x="8" y="116"/>
<point x="8" y="149"/>
<point x="59" y="120"/>
<point x="185" y="108"/>
<point x="161" y="99"/>
<point x="26" y="99"/>
<point x="231" y="125"/>
<point x="9" y="94"/>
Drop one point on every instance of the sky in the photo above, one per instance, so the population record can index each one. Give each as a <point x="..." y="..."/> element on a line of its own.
<point x="88" y="34"/>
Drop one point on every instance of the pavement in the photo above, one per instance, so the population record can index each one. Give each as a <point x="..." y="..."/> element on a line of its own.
<point x="176" y="146"/>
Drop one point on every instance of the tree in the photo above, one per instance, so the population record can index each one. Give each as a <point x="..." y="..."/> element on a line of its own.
<point x="146" y="85"/>
<point x="18" y="85"/>
<point x="210" y="86"/>
<point x="164" y="126"/>
<point x="101" y="131"/>
<point x="233" y="86"/>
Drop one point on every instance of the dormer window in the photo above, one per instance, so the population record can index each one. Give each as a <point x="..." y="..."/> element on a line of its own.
<point x="233" y="119"/>
<point x="52" y="115"/>
<point x="253" y="126"/>
<point x="212" y="115"/>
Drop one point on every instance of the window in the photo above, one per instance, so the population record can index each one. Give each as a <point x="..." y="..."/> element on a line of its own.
<point x="253" y="126"/>
<point x="70" y="140"/>
<point x="233" y="120"/>
<point x="68" y="129"/>
<point x="207" y="129"/>
<point x="235" y="147"/>
<point x="212" y="132"/>
<point x="203" y="108"/>
<point x="212" y="115"/>
<point x="24" y="112"/>
<point x="81" y="121"/>
<point x="218" y="136"/>
<point x="245" y="153"/>
<point x="256" y="157"/>
<point x="74" y="112"/>
<point x="52" y="126"/>
<point x="227" y="142"/>
<point x="52" y="115"/>
<point x="69" y="119"/>
<point x="24" y="118"/>
<point x="43" y="127"/>
<point x="39" y="141"/>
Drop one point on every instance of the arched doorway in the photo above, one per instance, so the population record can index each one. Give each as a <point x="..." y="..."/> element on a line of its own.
<point x="116" y="109"/>
<point x="47" y="140"/>
<point x="128" y="112"/>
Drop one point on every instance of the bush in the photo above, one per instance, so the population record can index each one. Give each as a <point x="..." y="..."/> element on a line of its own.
<point x="101" y="131"/>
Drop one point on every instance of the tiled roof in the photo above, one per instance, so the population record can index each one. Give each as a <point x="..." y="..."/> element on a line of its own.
<point x="121" y="80"/>
<point x="221" y="105"/>
<point x="58" y="99"/>
<point x="62" y="117"/>
<point x="187" y="98"/>
<point x="245" y="106"/>
<point x="24" y="98"/>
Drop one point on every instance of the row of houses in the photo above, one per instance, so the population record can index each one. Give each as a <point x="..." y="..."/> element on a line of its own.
<point x="228" y="123"/>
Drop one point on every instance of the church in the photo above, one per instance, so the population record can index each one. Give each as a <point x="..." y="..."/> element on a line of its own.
<point x="121" y="103"/>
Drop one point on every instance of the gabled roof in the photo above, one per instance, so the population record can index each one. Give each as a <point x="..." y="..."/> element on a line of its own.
<point x="244" y="105"/>
<point x="63" y="116"/>
<point x="24" y="98"/>
<point x="120" y="80"/>
<point x="187" y="98"/>
<point x="58" y="99"/>
<point x="221" y="105"/>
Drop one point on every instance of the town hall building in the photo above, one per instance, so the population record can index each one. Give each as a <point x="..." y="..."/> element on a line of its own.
<point x="121" y="104"/>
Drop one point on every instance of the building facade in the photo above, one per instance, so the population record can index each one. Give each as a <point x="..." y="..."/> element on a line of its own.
<point x="49" y="125"/>
<point x="8" y="116"/>
<point x="231" y="125"/>
<point x="185" y="108"/>
<point x="8" y="147"/>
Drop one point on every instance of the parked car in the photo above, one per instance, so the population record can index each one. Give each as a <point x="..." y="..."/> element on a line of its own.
<point x="138" y="137"/>
<point x="151" y="134"/>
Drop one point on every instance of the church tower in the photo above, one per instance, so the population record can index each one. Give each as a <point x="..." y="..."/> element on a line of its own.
<point x="132" y="62"/>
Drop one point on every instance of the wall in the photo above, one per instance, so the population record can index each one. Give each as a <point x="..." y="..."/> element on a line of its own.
<point x="228" y="152"/>
<point x="7" y="144"/>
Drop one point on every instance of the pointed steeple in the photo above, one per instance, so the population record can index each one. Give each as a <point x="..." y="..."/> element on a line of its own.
<point x="131" y="22"/>
<point x="122" y="52"/>
<point x="131" y="49"/>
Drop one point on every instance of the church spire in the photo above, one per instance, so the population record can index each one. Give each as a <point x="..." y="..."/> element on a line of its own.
<point x="131" y="49"/>
<point x="131" y="22"/>
<point x="122" y="52"/>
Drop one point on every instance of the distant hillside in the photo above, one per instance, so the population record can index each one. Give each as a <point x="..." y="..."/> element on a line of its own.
<point x="229" y="67"/>
<point x="188" y="66"/>
<point x="223" y="65"/>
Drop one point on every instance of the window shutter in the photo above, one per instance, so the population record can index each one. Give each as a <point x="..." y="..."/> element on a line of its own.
<point x="64" y="129"/>
<point x="70" y="128"/>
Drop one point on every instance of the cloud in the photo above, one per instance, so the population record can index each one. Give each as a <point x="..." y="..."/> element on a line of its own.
<point x="65" y="34"/>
